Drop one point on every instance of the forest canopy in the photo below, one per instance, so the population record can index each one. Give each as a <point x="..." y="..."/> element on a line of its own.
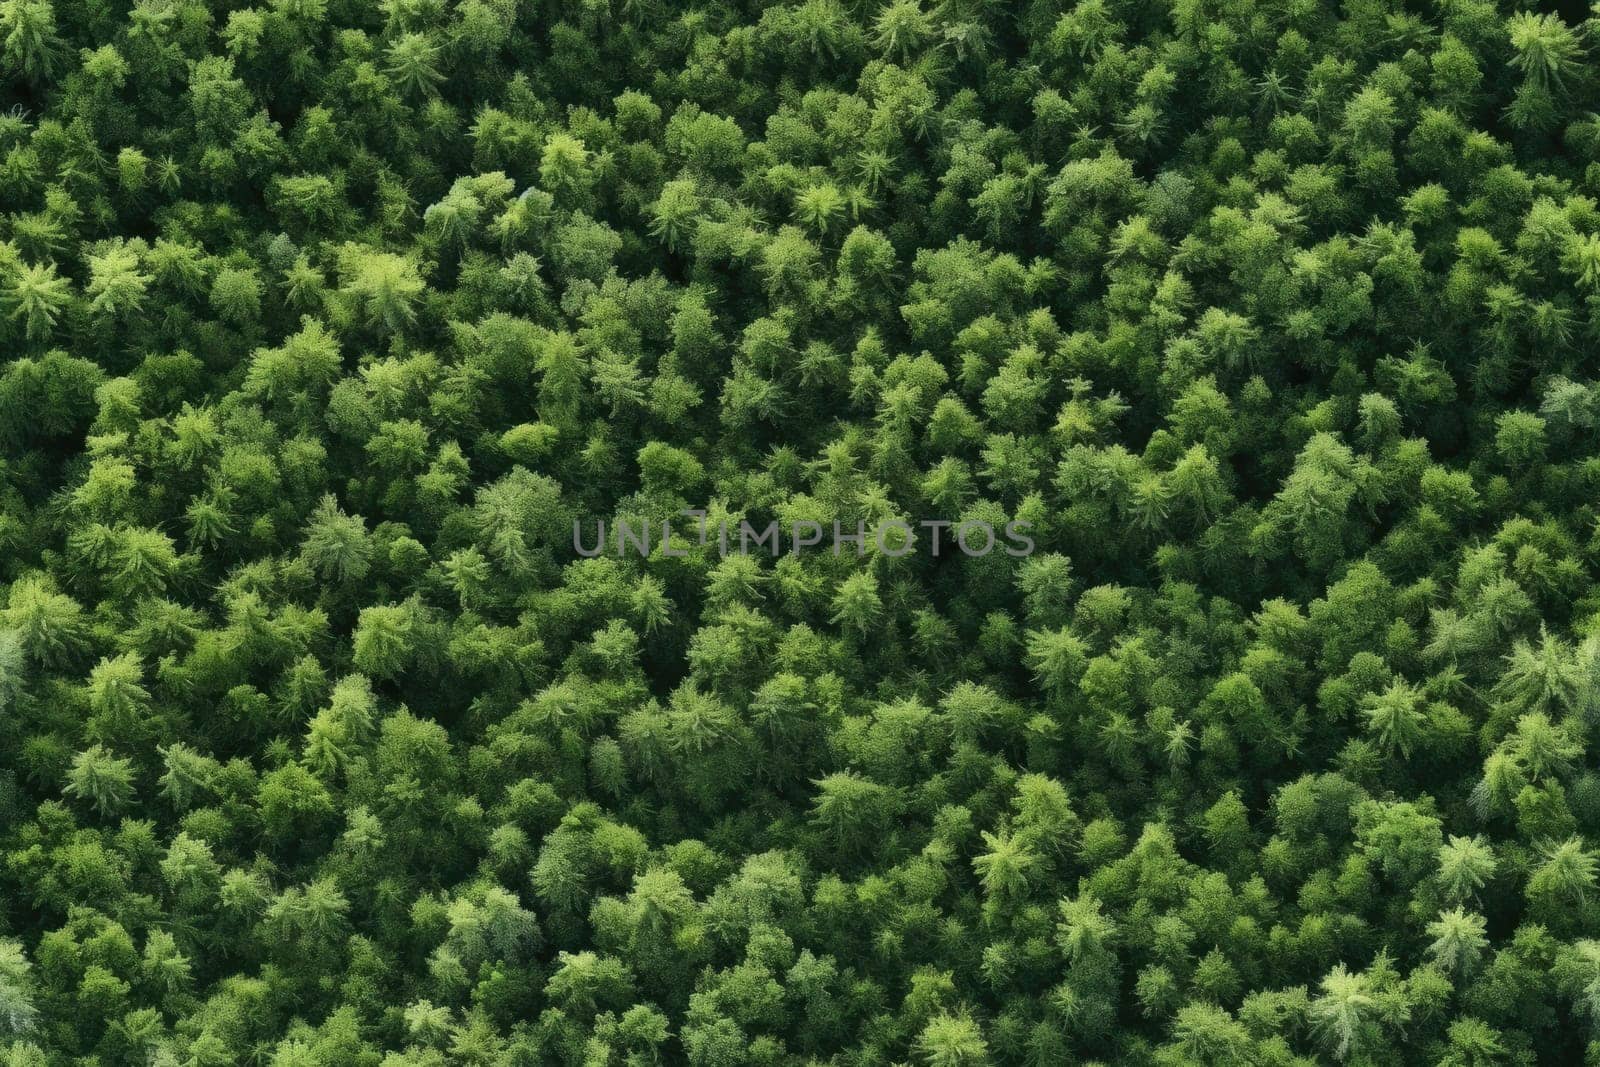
<point x="322" y="322"/>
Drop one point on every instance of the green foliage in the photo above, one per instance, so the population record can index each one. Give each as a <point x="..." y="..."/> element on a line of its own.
<point x="321" y="324"/>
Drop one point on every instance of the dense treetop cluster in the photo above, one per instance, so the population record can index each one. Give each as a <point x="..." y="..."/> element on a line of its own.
<point x="321" y="321"/>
